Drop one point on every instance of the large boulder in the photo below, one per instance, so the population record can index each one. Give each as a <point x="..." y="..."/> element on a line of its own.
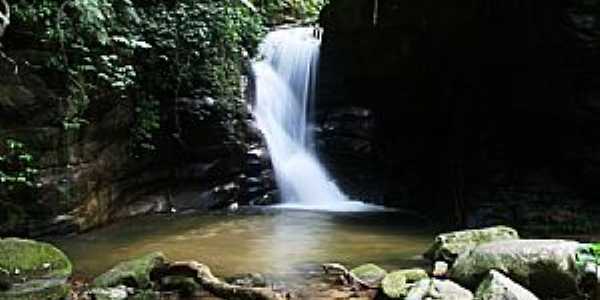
<point x="33" y="270"/>
<point x="133" y="273"/>
<point x="496" y="286"/>
<point x="369" y="273"/>
<point x="438" y="289"/>
<point x="448" y="246"/>
<point x="546" y="267"/>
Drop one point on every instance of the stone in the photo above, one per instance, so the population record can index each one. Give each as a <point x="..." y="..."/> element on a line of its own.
<point x="133" y="273"/>
<point x="394" y="285"/>
<point x="440" y="269"/>
<point x="369" y="273"/>
<point x="448" y="246"/>
<point x="117" y="293"/>
<point x="184" y="285"/>
<point x="32" y="270"/>
<point x="438" y="289"/>
<point x="546" y="267"/>
<point x="496" y="286"/>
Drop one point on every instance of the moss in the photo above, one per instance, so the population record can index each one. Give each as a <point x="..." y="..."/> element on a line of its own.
<point x="134" y="273"/>
<point x="369" y="273"/>
<point x="394" y="285"/>
<point x="33" y="259"/>
<point x="37" y="290"/>
<point x="448" y="246"/>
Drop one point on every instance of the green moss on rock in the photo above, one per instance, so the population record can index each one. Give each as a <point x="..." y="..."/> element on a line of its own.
<point x="448" y="246"/>
<point x="369" y="273"/>
<point x="394" y="285"/>
<point x="33" y="270"/>
<point x="133" y="273"/>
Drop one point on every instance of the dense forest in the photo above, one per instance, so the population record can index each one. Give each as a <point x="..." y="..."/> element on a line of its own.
<point x="167" y="140"/>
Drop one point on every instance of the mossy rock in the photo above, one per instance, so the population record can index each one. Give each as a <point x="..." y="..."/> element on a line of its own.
<point x="394" y="285"/>
<point x="133" y="273"/>
<point x="546" y="267"/>
<point x="369" y="273"/>
<point x="448" y="246"/>
<point x="33" y="270"/>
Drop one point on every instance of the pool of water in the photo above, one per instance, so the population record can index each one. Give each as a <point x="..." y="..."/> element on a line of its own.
<point x="276" y="242"/>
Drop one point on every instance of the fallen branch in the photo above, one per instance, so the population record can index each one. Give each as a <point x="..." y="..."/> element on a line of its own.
<point x="204" y="277"/>
<point x="346" y="276"/>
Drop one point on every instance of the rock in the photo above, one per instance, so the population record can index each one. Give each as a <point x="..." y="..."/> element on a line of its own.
<point x="438" y="289"/>
<point x="32" y="270"/>
<point x="440" y="269"/>
<point x="546" y="267"/>
<point x="450" y="245"/>
<point x="496" y="286"/>
<point x="369" y="273"/>
<point x="413" y="275"/>
<point x="134" y="273"/>
<point x="394" y="285"/>
<point x="118" y="293"/>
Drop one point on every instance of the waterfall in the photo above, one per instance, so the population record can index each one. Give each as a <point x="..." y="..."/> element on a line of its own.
<point x="285" y="87"/>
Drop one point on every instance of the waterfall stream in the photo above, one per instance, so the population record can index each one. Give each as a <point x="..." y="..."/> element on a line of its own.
<point x="285" y="89"/>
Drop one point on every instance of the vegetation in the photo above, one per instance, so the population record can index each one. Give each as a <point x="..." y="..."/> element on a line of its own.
<point x="113" y="53"/>
<point x="281" y="11"/>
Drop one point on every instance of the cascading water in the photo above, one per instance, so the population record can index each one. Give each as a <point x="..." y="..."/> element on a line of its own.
<point x="285" y="85"/>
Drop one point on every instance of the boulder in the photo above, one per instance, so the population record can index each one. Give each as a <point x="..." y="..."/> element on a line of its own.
<point x="496" y="286"/>
<point x="546" y="267"/>
<point x="394" y="285"/>
<point x="438" y="289"/>
<point x="448" y="246"/>
<point x="33" y="270"/>
<point x="369" y="273"/>
<point x="133" y="273"/>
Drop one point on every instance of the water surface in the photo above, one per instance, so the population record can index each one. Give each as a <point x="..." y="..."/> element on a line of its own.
<point x="271" y="241"/>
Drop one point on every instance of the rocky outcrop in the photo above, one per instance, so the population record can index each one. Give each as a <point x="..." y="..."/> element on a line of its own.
<point x="32" y="270"/>
<point x="546" y="267"/>
<point x="467" y="104"/>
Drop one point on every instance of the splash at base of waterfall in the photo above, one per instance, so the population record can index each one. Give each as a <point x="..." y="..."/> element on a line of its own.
<point x="285" y="90"/>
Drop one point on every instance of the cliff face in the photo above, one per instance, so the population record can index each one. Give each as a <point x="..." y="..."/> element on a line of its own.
<point x="85" y="105"/>
<point x="458" y="103"/>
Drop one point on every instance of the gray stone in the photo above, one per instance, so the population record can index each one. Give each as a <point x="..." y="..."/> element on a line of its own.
<point x="496" y="286"/>
<point x="438" y="289"/>
<point x="546" y="267"/>
<point x="448" y="246"/>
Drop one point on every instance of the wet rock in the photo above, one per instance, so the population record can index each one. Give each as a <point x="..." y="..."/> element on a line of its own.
<point x="448" y="246"/>
<point x="369" y="273"/>
<point x="133" y="273"/>
<point x="546" y="267"/>
<point x="117" y="293"/>
<point x="438" y="289"/>
<point x="32" y="270"/>
<point x="496" y="286"/>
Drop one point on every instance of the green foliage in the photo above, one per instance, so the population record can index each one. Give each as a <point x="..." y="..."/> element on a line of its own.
<point x="281" y="11"/>
<point x="141" y="55"/>
<point x="17" y="168"/>
<point x="588" y="254"/>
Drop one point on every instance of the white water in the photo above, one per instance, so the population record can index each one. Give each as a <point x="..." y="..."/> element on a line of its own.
<point x="285" y="86"/>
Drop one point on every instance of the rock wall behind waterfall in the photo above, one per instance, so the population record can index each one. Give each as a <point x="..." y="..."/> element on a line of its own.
<point x="448" y="105"/>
